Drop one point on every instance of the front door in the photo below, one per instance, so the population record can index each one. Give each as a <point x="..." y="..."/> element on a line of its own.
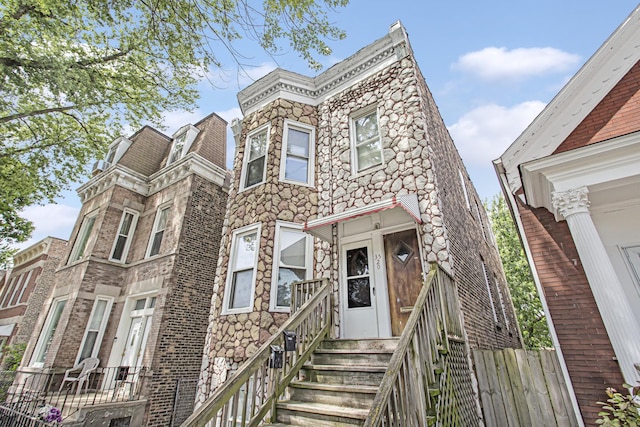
<point x="404" y="276"/>
<point x="360" y="314"/>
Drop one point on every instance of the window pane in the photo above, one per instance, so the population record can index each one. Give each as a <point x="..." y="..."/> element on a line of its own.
<point x="119" y="249"/>
<point x="157" y="240"/>
<point x="52" y="324"/>
<point x="98" y="314"/>
<point x="357" y="262"/>
<point x="298" y="143"/>
<point x="126" y="223"/>
<point x="286" y="276"/>
<point x="162" y="221"/>
<point x="83" y="238"/>
<point x="140" y="303"/>
<point x="359" y="294"/>
<point x="369" y="154"/>
<point x="245" y="251"/>
<point x="296" y="169"/>
<point x="292" y="248"/>
<point x="241" y="289"/>
<point x="89" y="343"/>
<point x="257" y="145"/>
<point x="367" y="127"/>
<point x="255" y="172"/>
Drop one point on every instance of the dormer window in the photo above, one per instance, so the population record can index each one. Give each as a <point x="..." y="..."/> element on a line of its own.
<point x="182" y="141"/>
<point x="116" y="150"/>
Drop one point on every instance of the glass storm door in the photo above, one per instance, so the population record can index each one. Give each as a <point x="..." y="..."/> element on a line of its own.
<point x="358" y="288"/>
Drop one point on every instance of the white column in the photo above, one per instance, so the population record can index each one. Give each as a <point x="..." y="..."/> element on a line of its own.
<point x="618" y="317"/>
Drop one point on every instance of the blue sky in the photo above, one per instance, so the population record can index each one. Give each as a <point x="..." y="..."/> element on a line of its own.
<point x="491" y="66"/>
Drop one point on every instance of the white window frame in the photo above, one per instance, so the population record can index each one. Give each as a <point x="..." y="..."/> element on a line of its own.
<point x="308" y="262"/>
<point x="25" y="284"/>
<point x="100" y="330"/>
<point x="8" y="289"/>
<point x="155" y="230"/>
<point x="129" y="236"/>
<point x="463" y="183"/>
<point x="311" y="131"/>
<point x="47" y="332"/>
<point x="354" y="142"/>
<point x="182" y="140"/>
<point x="237" y="234"/>
<point x="245" y="161"/>
<point x="488" y="284"/>
<point x="82" y="238"/>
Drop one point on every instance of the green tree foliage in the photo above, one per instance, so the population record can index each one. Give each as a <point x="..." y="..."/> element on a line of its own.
<point x="533" y="325"/>
<point x="73" y="74"/>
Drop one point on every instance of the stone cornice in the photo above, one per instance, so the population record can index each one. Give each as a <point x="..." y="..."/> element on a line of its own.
<point x="32" y="252"/>
<point x="296" y="87"/>
<point x="192" y="164"/>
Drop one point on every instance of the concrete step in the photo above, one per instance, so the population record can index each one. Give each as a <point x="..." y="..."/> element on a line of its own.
<point x="319" y="414"/>
<point x="347" y="395"/>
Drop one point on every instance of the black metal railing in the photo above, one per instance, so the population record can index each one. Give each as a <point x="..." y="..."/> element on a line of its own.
<point x="30" y="396"/>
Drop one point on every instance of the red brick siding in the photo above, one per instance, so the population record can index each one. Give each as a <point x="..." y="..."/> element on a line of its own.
<point x="617" y="114"/>
<point x="580" y="329"/>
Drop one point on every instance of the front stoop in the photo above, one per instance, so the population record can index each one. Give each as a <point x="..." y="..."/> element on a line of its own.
<point x="337" y="387"/>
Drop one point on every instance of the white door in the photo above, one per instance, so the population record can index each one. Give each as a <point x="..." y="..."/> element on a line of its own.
<point x="132" y="347"/>
<point x="358" y="291"/>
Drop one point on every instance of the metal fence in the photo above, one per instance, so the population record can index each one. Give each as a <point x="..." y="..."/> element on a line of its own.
<point x="30" y="396"/>
<point x="184" y="400"/>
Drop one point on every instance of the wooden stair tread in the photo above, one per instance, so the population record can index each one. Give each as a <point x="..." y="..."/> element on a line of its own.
<point x="345" y="368"/>
<point x="335" y="387"/>
<point x="324" y="409"/>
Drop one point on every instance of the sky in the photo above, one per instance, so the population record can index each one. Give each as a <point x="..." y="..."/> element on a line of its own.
<point x="491" y="66"/>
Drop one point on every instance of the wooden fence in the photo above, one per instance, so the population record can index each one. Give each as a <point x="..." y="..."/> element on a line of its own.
<point x="522" y="388"/>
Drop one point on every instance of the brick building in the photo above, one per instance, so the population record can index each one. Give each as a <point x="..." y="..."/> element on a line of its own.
<point x="353" y="167"/>
<point x="25" y="289"/>
<point x="572" y="180"/>
<point x="134" y="284"/>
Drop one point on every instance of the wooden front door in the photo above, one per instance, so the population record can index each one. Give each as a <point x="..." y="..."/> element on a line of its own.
<point x="404" y="276"/>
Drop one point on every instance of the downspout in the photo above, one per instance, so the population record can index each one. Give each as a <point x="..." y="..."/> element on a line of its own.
<point x="515" y="213"/>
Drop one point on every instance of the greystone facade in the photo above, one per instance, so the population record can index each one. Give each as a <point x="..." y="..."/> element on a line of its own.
<point x="153" y="279"/>
<point x="418" y="159"/>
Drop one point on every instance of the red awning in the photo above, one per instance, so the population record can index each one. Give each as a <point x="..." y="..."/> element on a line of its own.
<point x="321" y="227"/>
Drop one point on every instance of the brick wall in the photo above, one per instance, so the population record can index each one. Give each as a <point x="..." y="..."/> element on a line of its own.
<point x="469" y="246"/>
<point x="211" y="142"/>
<point x="584" y="341"/>
<point x="147" y="152"/>
<point x="178" y="350"/>
<point x="617" y="114"/>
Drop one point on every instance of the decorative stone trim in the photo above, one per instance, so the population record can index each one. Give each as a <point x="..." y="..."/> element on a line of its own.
<point x="571" y="201"/>
<point x="126" y="178"/>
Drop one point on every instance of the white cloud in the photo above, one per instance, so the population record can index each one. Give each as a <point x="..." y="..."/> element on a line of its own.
<point x="498" y="63"/>
<point x="484" y="133"/>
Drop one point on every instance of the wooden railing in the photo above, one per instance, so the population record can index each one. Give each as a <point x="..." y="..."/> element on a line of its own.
<point x="407" y="394"/>
<point x="249" y="397"/>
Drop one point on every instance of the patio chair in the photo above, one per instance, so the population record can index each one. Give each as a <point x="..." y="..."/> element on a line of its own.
<point x="80" y="373"/>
